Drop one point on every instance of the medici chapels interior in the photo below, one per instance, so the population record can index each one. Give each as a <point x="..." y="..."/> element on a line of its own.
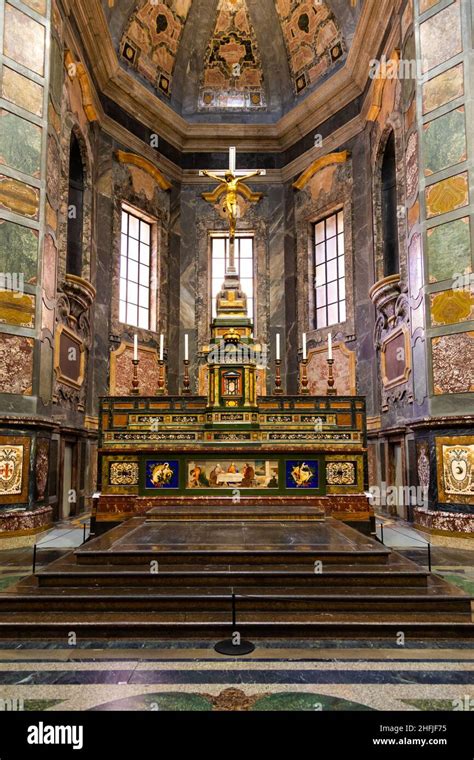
<point x="236" y="353"/>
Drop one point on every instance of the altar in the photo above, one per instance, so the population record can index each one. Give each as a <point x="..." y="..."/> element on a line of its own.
<point x="233" y="454"/>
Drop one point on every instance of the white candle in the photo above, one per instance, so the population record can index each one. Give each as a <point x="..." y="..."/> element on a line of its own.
<point x="278" y="347"/>
<point x="329" y="346"/>
<point x="162" y="346"/>
<point x="186" y="347"/>
<point x="305" y="355"/>
<point x="232" y="159"/>
<point x="135" y="347"/>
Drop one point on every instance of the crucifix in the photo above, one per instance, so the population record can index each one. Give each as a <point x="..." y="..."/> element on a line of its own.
<point x="230" y="179"/>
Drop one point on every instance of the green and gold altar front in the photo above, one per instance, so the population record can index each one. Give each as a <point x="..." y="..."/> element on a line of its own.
<point x="232" y="450"/>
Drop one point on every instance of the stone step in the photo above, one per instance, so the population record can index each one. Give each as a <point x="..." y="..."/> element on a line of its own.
<point x="287" y="603"/>
<point x="174" y="627"/>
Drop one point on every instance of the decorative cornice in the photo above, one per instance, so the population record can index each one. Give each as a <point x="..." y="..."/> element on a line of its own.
<point x="76" y="69"/>
<point x="143" y="163"/>
<point x="331" y="158"/>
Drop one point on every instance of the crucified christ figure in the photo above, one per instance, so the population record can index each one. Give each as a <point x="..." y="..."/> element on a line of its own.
<point x="231" y="182"/>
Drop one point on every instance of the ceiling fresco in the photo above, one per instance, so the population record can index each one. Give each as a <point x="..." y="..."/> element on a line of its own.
<point x="314" y="41"/>
<point x="232" y="77"/>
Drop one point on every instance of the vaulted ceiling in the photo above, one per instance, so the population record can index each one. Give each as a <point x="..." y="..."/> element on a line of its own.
<point x="241" y="60"/>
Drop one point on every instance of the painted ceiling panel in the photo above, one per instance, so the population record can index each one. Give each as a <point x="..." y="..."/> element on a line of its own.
<point x="314" y="41"/>
<point x="258" y="57"/>
<point x="151" y="39"/>
<point x="232" y="77"/>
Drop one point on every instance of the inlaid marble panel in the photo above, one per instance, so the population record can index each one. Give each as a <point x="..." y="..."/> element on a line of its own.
<point x="22" y="91"/>
<point x="121" y="374"/>
<point x="449" y="250"/>
<point x="20" y="143"/>
<point x="24" y="39"/>
<point x="18" y="250"/>
<point x="50" y="254"/>
<point x="16" y="364"/>
<point x="17" y="308"/>
<point x="344" y="370"/>
<point x="19" y="197"/>
<point x="453" y="363"/>
<point x="443" y="88"/>
<point x="441" y="37"/>
<point x="415" y="258"/>
<point x="451" y="306"/>
<point x="447" y="195"/>
<point x="412" y="167"/>
<point x="425" y="5"/>
<point x="444" y="141"/>
<point x="40" y="6"/>
<point x="56" y="72"/>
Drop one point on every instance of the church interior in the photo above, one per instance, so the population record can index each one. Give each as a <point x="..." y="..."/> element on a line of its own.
<point x="236" y="355"/>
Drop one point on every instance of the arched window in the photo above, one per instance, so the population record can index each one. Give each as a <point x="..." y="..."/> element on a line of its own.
<point x="389" y="209"/>
<point x="75" y="209"/>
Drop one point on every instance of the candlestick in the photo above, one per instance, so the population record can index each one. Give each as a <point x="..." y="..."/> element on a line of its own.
<point x="186" y="382"/>
<point x="278" y="389"/>
<point x="162" y="347"/>
<point x="186" y="347"/>
<point x="277" y="355"/>
<point x="135" y="390"/>
<point x="331" y="391"/>
<point x="161" y="377"/>
<point x="305" y="354"/>
<point x="304" y="378"/>
<point x="135" y="347"/>
<point x="330" y="346"/>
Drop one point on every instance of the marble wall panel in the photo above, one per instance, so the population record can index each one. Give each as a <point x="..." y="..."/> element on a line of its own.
<point x="447" y="195"/>
<point x="451" y="306"/>
<point x="443" y="88"/>
<point x="20" y="143"/>
<point x="121" y="372"/>
<point x="415" y="264"/>
<point x="22" y="91"/>
<point x="50" y="254"/>
<point x="17" y="308"/>
<point x="16" y="364"/>
<point x="18" y="250"/>
<point x="19" y="197"/>
<point x="425" y="5"/>
<point x="40" y="6"/>
<point x="24" y="39"/>
<point x="449" y="250"/>
<point x="441" y="37"/>
<point x="444" y="141"/>
<point x="344" y="370"/>
<point x="453" y="363"/>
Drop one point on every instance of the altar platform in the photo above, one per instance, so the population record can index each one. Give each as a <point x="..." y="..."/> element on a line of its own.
<point x="175" y="580"/>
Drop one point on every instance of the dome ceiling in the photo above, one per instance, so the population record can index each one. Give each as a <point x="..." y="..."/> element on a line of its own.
<point x="212" y="58"/>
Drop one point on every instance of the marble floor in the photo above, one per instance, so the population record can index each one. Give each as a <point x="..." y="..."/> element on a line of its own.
<point x="278" y="675"/>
